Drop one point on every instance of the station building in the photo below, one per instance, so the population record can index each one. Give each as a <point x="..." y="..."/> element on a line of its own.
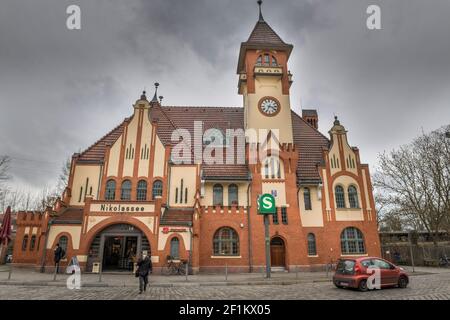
<point x="127" y="194"/>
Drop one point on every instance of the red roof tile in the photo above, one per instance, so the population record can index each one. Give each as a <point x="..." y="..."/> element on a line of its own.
<point x="173" y="216"/>
<point x="69" y="216"/>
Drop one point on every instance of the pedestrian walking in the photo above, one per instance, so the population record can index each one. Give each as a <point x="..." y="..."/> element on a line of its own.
<point x="59" y="254"/>
<point x="144" y="267"/>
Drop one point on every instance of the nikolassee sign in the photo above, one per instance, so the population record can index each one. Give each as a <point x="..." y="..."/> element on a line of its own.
<point x="266" y="204"/>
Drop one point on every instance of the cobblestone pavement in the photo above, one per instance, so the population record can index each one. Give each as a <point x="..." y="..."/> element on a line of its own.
<point x="430" y="286"/>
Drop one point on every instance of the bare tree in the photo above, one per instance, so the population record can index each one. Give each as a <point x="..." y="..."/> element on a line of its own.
<point x="415" y="181"/>
<point x="64" y="176"/>
<point x="4" y="167"/>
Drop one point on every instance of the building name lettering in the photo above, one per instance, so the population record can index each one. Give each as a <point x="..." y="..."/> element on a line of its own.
<point x="121" y="208"/>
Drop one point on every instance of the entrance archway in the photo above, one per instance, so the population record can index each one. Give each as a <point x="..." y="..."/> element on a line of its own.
<point x="277" y="252"/>
<point x="116" y="247"/>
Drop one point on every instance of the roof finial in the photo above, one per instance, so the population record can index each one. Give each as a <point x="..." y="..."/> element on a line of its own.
<point x="260" y="13"/>
<point x="160" y="99"/>
<point x="155" y="96"/>
<point x="143" y="97"/>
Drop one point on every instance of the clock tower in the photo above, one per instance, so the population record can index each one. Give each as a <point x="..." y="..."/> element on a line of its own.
<point x="264" y="80"/>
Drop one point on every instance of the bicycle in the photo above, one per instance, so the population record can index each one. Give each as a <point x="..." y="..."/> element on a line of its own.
<point x="174" y="267"/>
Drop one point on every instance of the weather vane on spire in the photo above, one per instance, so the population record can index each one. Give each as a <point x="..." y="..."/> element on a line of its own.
<point x="155" y="97"/>
<point x="260" y="13"/>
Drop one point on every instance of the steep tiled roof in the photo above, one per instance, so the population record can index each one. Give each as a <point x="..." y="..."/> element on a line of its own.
<point x="211" y="117"/>
<point x="69" y="216"/>
<point x="177" y="217"/>
<point x="264" y="34"/>
<point x="310" y="143"/>
<point x="96" y="152"/>
<point x="309" y="113"/>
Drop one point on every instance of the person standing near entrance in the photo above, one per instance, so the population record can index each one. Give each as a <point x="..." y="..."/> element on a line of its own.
<point x="58" y="256"/>
<point x="144" y="265"/>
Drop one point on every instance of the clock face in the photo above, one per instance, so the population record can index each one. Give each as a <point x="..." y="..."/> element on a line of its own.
<point x="269" y="106"/>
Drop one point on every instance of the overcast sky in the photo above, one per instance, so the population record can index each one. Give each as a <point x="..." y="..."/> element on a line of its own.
<point x="61" y="90"/>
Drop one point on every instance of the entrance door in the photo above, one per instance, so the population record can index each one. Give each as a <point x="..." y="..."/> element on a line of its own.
<point x="119" y="252"/>
<point x="277" y="252"/>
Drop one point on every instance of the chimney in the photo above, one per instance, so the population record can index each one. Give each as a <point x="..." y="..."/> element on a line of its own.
<point x="310" y="116"/>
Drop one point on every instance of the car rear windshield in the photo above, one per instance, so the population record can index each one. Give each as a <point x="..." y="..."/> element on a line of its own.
<point x="345" y="266"/>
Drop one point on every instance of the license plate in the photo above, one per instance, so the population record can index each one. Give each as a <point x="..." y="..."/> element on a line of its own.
<point x="344" y="284"/>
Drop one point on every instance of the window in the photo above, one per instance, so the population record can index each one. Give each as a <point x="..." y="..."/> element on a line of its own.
<point x="218" y="195"/>
<point x="259" y="61"/>
<point x="233" y="194"/>
<point x="312" y="251"/>
<point x="353" y="197"/>
<point x="126" y="190"/>
<point x="381" y="264"/>
<point x="284" y="217"/>
<point x="25" y="243"/>
<point x="110" y="193"/>
<point x="275" y="217"/>
<point x="274" y="62"/>
<point x="307" y="198"/>
<point x="266" y="59"/>
<point x="352" y="241"/>
<point x="32" y="242"/>
<point x="226" y="242"/>
<point x="175" y="248"/>
<point x="272" y="168"/>
<point x="63" y="243"/>
<point x="214" y="137"/>
<point x="340" y="198"/>
<point x="141" y="190"/>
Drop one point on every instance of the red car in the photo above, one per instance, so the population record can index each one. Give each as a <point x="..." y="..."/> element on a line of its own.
<point x="352" y="273"/>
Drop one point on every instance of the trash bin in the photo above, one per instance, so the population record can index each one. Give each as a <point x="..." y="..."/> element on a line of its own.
<point x="96" y="267"/>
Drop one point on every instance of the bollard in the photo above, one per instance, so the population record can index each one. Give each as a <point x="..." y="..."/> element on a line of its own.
<point x="226" y="271"/>
<point x="9" y="273"/>
<point x="54" y="273"/>
<point x="296" y="272"/>
<point x="100" y="273"/>
<point x="186" y="266"/>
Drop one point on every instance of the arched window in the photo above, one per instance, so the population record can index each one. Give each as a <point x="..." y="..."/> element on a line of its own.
<point x="32" y="242"/>
<point x="307" y="198"/>
<point x="353" y="197"/>
<point x="226" y="242"/>
<point x="157" y="189"/>
<point x="110" y="193"/>
<point x="352" y="241"/>
<point x="272" y="168"/>
<point x="218" y="195"/>
<point x="63" y="243"/>
<point x="312" y="251"/>
<point x="141" y="190"/>
<point x="266" y="60"/>
<point x="233" y="194"/>
<point x="125" y="193"/>
<point x="25" y="242"/>
<point x="175" y="248"/>
<point x="339" y="195"/>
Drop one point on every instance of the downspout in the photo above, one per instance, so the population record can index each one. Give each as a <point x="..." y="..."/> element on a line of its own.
<point x="44" y="255"/>
<point x="250" y="252"/>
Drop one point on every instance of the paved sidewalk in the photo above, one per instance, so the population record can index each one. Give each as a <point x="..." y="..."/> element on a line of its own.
<point x="26" y="277"/>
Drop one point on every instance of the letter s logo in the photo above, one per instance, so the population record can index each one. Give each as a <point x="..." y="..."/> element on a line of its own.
<point x="267" y="204"/>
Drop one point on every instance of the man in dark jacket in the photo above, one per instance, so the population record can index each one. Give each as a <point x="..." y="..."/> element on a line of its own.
<point x="58" y="256"/>
<point x="144" y="265"/>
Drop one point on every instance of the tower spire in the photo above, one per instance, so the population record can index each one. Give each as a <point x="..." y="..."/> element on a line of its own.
<point x="155" y="96"/>
<point x="260" y="12"/>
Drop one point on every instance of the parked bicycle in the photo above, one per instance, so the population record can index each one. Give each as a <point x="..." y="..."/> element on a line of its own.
<point x="174" y="267"/>
<point x="443" y="261"/>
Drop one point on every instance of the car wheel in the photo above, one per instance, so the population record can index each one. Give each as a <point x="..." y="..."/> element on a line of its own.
<point x="363" y="285"/>
<point x="337" y="286"/>
<point x="402" y="282"/>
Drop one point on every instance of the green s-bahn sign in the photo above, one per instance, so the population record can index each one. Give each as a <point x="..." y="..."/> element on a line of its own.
<point x="266" y="204"/>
